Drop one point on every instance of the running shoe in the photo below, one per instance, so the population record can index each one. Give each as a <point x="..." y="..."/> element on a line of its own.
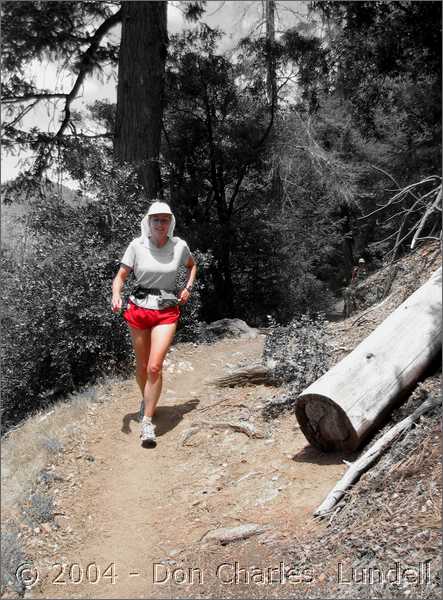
<point x="147" y="433"/>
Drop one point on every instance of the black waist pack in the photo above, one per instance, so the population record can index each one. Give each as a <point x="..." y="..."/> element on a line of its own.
<point x="140" y="293"/>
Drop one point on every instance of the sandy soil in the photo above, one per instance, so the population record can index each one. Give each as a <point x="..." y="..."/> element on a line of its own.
<point x="131" y="520"/>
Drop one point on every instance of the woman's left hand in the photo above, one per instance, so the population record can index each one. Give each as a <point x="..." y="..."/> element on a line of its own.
<point x="184" y="296"/>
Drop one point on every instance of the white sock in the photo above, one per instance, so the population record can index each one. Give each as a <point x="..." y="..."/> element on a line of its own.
<point x="147" y="419"/>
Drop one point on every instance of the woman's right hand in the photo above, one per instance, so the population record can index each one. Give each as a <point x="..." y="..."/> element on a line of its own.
<point x="116" y="303"/>
<point x="117" y="286"/>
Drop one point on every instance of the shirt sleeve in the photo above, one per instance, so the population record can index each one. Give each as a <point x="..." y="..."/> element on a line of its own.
<point x="128" y="258"/>
<point x="186" y="253"/>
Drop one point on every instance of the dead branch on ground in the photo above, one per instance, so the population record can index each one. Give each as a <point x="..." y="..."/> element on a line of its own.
<point x="371" y="455"/>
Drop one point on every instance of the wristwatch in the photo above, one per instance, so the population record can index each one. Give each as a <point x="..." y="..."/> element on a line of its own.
<point x="189" y="289"/>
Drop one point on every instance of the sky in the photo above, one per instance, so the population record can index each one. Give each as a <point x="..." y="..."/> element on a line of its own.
<point x="236" y="18"/>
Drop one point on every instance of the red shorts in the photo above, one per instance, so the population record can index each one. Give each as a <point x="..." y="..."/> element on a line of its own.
<point x="146" y="318"/>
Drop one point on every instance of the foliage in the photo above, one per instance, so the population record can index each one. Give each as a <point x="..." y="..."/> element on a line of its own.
<point x="308" y="227"/>
<point x="221" y="178"/>
<point x="189" y="326"/>
<point x="58" y="330"/>
<point x="193" y="10"/>
<point x="214" y="132"/>
<point x="63" y="28"/>
<point x="298" y="353"/>
<point x="58" y="32"/>
<point x="384" y="101"/>
<point x="300" y="63"/>
<point x="372" y="41"/>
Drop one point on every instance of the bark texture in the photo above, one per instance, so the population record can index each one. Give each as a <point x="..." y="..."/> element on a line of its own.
<point x="140" y="92"/>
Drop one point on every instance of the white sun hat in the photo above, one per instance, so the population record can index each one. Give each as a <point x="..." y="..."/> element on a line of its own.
<point x="156" y="208"/>
<point x="159" y="208"/>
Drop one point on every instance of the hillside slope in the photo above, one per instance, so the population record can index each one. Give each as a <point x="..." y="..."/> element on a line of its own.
<point x="97" y="516"/>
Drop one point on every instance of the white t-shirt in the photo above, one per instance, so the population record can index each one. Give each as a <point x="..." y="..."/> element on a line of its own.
<point x="156" y="267"/>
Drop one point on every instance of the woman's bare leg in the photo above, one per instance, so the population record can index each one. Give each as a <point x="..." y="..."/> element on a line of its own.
<point x="141" y="343"/>
<point x="161" y="339"/>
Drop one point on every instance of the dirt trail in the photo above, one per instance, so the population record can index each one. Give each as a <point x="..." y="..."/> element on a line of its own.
<point x="127" y="509"/>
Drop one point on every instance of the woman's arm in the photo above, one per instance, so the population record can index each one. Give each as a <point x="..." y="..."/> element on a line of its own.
<point x="117" y="286"/>
<point x="192" y="269"/>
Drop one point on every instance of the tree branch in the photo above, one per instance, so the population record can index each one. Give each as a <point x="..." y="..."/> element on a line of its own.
<point x="429" y="210"/>
<point x="372" y="454"/>
<point x="236" y="189"/>
<point x="85" y="67"/>
<point x="38" y="97"/>
<point x="84" y="136"/>
<point x="20" y="116"/>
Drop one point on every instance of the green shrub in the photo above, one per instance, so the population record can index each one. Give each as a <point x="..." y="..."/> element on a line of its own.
<point x="297" y="354"/>
<point x="58" y="329"/>
<point x="59" y="332"/>
<point x="190" y="326"/>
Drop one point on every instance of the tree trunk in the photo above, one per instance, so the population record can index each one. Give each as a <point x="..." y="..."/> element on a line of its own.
<point x="225" y="266"/>
<point x="271" y="92"/>
<point x="140" y="90"/>
<point x="271" y="85"/>
<point x="342" y="407"/>
<point x="223" y="279"/>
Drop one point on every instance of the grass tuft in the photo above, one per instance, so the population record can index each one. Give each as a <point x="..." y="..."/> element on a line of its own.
<point x="12" y="556"/>
<point x="39" y="509"/>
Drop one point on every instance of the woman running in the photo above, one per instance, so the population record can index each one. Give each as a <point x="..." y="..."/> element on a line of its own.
<point x="153" y="307"/>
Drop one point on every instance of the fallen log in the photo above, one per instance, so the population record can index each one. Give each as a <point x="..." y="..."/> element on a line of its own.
<point x="371" y="455"/>
<point x="340" y="409"/>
